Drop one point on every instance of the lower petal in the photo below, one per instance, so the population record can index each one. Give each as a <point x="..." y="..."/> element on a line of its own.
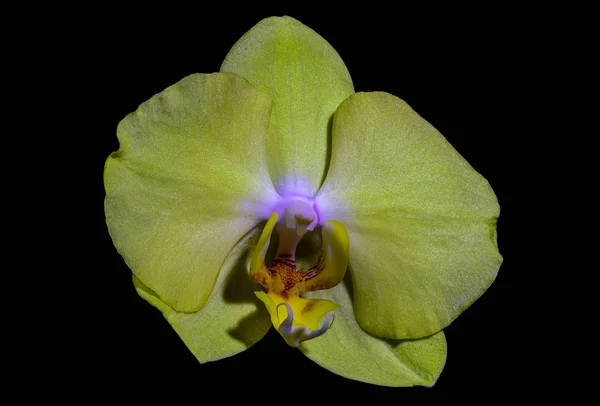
<point x="232" y="319"/>
<point x="349" y="351"/>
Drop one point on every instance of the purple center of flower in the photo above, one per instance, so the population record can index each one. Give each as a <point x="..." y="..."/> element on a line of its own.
<point x="297" y="215"/>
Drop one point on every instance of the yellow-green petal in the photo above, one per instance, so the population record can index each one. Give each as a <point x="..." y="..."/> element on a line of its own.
<point x="307" y="80"/>
<point x="421" y="220"/>
<point x="232" y="319"/>
<point x="347" y="350"/>
<point x="180" y="190"/>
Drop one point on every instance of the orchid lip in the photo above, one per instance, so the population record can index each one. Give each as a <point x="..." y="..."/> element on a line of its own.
<point x="294" y="335"/>
<point x="305" y="318"/>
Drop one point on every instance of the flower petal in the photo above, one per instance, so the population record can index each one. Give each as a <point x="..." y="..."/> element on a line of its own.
<point x="349" y="351"/>
<point x="232" y="319"/>
<point x="421" y="221"/>
<point x="191" y="165"/>
<point x="307" y="80"/>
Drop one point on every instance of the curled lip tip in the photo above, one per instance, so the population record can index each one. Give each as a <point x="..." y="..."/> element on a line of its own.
<point x="295" y="335"/>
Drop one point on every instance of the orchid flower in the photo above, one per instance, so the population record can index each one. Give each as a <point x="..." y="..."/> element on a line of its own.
<point x="270" y="193"/>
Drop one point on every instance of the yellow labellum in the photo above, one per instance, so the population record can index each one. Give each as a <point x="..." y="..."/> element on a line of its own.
<point x="298" y="319"/>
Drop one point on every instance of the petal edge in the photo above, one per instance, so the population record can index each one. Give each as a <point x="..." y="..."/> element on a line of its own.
<point x="190" y="164"/>
<point x="421" y="220"/>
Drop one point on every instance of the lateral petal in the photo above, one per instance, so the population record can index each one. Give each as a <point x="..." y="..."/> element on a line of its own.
<point x="421" y="220"/>
<point x="181" y="188"/>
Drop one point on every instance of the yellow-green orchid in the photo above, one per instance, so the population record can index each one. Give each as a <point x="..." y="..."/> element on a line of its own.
<point x="274" y="172"/>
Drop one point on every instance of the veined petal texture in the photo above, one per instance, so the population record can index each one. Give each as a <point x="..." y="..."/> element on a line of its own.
<point x="421" y="220"/>
<point x="347" y="350"/>
<point x="231" y="320"/>
<point x="191" y="162"/>
<point x="307" y="80"/>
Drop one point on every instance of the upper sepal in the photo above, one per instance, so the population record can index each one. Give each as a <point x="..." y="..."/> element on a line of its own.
<point x="307" y="80"/>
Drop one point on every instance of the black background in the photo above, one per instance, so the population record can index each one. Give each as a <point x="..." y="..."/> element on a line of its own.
<point x="466" y="71"/>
